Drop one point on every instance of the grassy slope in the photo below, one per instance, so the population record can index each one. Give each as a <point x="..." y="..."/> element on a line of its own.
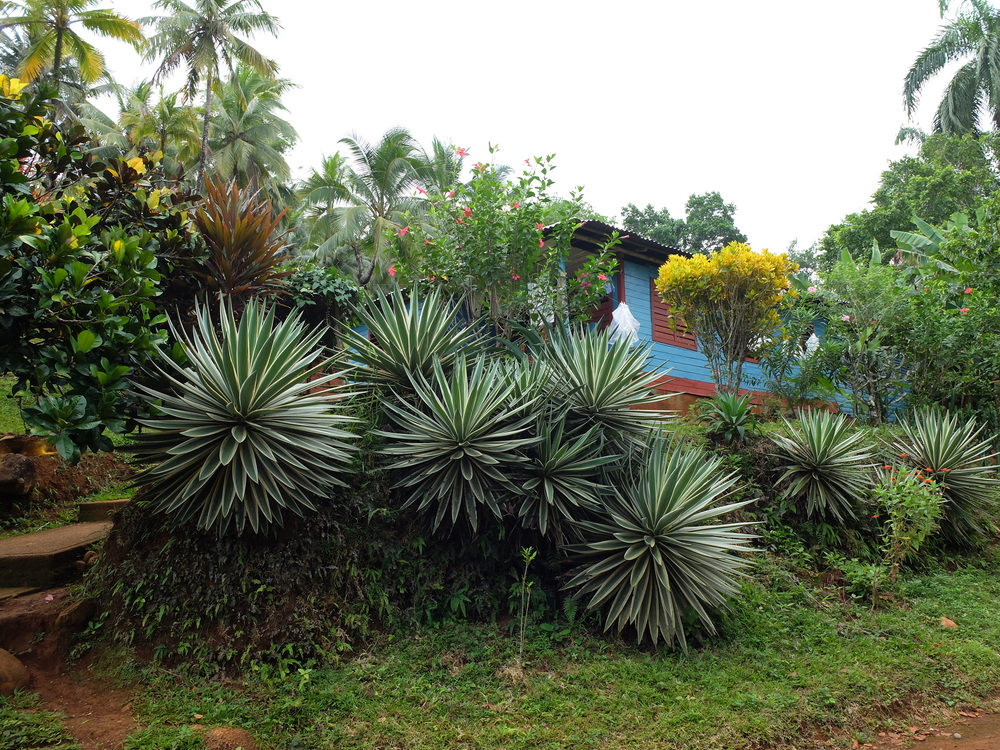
<point x="10" y="413"/>
<point x="793" y="660"/>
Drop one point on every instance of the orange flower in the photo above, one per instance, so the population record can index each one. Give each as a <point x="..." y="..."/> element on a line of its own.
<point x="904" y="455"/>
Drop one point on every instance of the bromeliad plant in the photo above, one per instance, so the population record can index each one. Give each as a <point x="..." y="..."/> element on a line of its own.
<point x="827" y="464"/>
<point x="961" y="464"/>
<point x="653" y="558"/>
<point x="245" y="435"/>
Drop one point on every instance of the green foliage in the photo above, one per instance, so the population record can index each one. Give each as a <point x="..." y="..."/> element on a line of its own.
<point x="952" y="454"/>
<point x="407" y="337"/>
<point x="657" y="225"/>
<point x="652" y="560"/>
<point x="458" y="443"/>
<point x="324" y="295"/>
<point x="34" y="730"/>
<point x="951" y="173"/>
<point x="827" y="463"/>
<point x="913" y="505"/>
<point x="710" y="224"/>
<point x="728" y="416"/>
<point x="80" y="271"/>
<point x="245" y="435"/>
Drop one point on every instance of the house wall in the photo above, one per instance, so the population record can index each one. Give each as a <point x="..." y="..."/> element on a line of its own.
<point x="689" y="373"/>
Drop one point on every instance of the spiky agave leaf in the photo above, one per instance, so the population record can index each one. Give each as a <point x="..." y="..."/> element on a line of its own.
<point x="952" y="455"/>
<point x="244" y="434"/>
<point x="563" y="475"/>
<point x="604" y="384"/>
<point x="655" y="558"/>
<point x="458" y="442"/>
<point x="407" y="337"/>
<point x="827" y="463"/>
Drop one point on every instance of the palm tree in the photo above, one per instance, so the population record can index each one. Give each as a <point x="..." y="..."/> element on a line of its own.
<point x="52" y="40"/>
<point x="248" y="138"/>
<point x="974" y="90"/>
<point x="200" y="38"/>
<point x="363" y="200"/>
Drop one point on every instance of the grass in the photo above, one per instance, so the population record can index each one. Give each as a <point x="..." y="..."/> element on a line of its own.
<point x="795" y="661"/>
<point x="10" y="411"/>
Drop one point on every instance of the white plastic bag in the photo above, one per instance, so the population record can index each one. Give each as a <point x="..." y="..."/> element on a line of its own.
<point x="624" y="325"/>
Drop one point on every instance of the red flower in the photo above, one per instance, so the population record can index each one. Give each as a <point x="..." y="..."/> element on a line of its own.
<point x="404" y="231"/>
<point x="969" y="290"/>
<point x="421" y="190"/>
<point x="964" y="311"/>
<point x="516" y="204"/>
<point x="392" y="270"/>
<point x="602" y="277"/>
<point x="541" y="242"/>
<point x="480" y="167"/>
<point x="467" y="212"/>
<point x="539" y="226"/>
<point x="516" y="278"/>
<point x="428" y="242"/>
<point x="461" y="151"/>
<point x="451" y="194"/>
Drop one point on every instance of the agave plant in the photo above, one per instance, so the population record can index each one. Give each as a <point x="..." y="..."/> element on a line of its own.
<point x="827" y="463"/>
<point x="603" y="384"/>
<point x="458" y="443"/>
<point x="960" y="463"/>
<point x="563" y="475"/>
<point x="654" y="559"/>
<point x="245" y="435"/>
<point x="407" y="337"/>
<point x="729" y="415"/>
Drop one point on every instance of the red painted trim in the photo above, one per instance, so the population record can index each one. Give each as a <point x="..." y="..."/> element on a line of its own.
<point x="668" y="384"/>
<point x="621" y="278"/>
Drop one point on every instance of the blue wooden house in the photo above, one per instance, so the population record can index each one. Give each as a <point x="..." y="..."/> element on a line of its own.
<point x="673" y="348"/>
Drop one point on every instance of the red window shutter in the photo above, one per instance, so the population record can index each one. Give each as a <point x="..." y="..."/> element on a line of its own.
<point x="667" y="328"/>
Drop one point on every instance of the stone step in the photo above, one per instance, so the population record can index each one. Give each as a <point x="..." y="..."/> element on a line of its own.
<point x="45" y="558"/>
<point x="15" y="591"/>
<point x="100" y="510"/>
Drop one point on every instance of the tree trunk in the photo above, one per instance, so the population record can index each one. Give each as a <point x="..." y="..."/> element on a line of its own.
<point x="57" y="61"/>
<point x="203" y="157"/>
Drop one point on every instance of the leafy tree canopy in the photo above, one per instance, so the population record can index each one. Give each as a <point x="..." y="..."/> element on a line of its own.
<point x="657" y="225"/>
<point x="950" y="173"/>
<point x="710" y="224"/>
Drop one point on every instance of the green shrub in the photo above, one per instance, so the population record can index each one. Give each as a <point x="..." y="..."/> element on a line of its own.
<point x="245" y="435"/>
<point x="913" y="505"/>
<point x="728" y="416"/>
<point x="827" y="463"/>
<point x="652" y="560"/>
<point x="961" y="464"/>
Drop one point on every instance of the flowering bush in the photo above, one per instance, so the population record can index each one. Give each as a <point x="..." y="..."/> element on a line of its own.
<point x="913" y="505"/>
<point x="500" y="244"/>
<point x="730" y="299"/>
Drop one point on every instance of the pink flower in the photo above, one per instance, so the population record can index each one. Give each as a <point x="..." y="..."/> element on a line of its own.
<point x="964" y="310"/>
<point x="585" y="284"/>
<point x="428" y="242"/>
<point x="392" y="270"/>
<point x="811" y="289"/>
<point x="49" y="598"/>
<point x="539" y="226"/>
<point x="480" y="167"/>
<point x="515" y="277"/>
<point x="969" y="290"/>
<point x="467" y="212"/>
<point x="459" y="220"/>
<point x="602" y="277"/>
<point x="421" y="190"/>
<point x="846" y="318"/>
<point x="404" y="231"/>
<point x="527" y="161"/>
<point x="516" y="204"/>
<point x="451" y="194"/>
<point x="541" y="242"/>
<point x="625" y="236"/>
<point x="461" y="151"/>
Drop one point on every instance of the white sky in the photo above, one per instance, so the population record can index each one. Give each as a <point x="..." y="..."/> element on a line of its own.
<point x="788" y="108"/>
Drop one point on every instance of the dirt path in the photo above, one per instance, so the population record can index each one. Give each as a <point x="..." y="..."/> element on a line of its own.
<point x="966" y="730"/>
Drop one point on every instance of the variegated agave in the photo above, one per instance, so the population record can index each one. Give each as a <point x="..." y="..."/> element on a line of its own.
<point x="457" y="443"/>
<point x="828" y="464"/>
<point x="954" y="456"/>
<point x="244" y="435"/>
<point x="603" y="384"/>
<point x="407" y="336"/>
<point x="654" y="557"/>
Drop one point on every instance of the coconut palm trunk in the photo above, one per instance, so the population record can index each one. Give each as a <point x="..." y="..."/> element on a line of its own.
<point x="203" y="156"/>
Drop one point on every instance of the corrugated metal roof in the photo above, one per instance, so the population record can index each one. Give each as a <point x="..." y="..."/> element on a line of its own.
<point x="591" y="234"/>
